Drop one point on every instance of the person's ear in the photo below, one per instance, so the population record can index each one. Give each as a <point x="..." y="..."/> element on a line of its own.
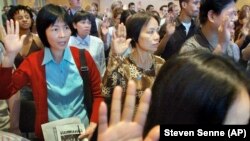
<point x="74" y="25"/>
<point x="211" y="16"/>
<point x="184" y="4"/>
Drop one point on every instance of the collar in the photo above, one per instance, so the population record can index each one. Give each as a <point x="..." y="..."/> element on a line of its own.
<point x="202" y="40"/>
<point x="84" y="41"/>
<point x="48" y="57"/>
<point x="178" y="22"/>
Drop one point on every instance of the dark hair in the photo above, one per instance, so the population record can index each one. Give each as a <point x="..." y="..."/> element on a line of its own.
<point x="80" y="15"/>
<point x="116" y="12"/>
<point x="161" y="8"/>
<point x="124" y="15"/>
<point x="180" y="1"/>
<point x="215" y="5"/>
<point x="48" y="16"/>
<point x="195" y="88"/>
<point x="95" y="5"/>
<point x="130" y="4"/>
<point x="149" y="6"/>
<point x="135" y="23"/>
<point x="15" y="9"/>
<point x="156" y="15"/>
<point x="170" y="4"/>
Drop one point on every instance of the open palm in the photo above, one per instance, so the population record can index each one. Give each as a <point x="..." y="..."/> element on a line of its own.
<point x="119" y="41"/>
<point x="122" y="127"/>
<point x="11" y="39"/>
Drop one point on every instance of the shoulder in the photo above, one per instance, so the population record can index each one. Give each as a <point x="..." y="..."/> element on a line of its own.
<point x="35" y="58"/>
<point x="158" y="59"/>
<point x="95" y="39"/>
<point x="190" y="45"/>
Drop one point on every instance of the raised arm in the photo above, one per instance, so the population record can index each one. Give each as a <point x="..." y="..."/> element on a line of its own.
<point x="123" y="126"/>
<point x="119" y="42"/>
<point x="12" y="42"/>
<point x="224" y="35"/>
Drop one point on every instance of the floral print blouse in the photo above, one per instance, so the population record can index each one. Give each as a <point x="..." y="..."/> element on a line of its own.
<point x="121" y="69"/>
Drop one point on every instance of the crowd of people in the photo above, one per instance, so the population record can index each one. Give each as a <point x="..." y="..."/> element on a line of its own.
<point x="186" y="64"/>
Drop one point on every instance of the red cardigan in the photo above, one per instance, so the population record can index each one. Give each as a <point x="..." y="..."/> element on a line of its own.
<point x="31" y="71"/>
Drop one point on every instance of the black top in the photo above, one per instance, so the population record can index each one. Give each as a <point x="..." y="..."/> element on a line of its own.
<point x="178" y="38"/>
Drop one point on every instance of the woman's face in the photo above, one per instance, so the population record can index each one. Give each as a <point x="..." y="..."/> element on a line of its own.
<point x="58" y="35"/>
<point x="24" y="19"/>
<point x="239" y="111"/>
<point x="83" y="27"/>
<point x="229" y="12"/>
<point x="149" y="38"/>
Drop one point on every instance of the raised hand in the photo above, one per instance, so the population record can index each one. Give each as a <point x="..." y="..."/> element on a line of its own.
<point x="119" y="41"/>
<point x="170" y="27"/>
<point x="224" y="35"/>
<point x="11" y="39"/>
<point x="126" y="127"/>
<point x="104" y="26"/>
<point x="12" y="42"/>
<point x="246" y="27"/>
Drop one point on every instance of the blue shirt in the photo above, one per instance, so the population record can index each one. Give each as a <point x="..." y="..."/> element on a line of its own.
<point x="65" y="88"/>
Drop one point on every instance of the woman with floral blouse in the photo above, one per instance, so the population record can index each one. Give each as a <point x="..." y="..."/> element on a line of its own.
<point x="141" y="65"/>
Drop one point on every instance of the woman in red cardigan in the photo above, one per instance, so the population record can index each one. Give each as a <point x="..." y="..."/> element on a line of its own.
<point x="53" y="72"/>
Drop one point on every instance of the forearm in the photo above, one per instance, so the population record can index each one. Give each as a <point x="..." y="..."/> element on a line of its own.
<point x="162" y="45"/>
<point x="8" y="60"/>
<point x="240" y="40"/>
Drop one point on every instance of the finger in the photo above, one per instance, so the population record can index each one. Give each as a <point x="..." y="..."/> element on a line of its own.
<point x="86" y="134"/>
<point x="154" y="134"/>
<point x="124" y="31"/>
<point x="142" y="111"/>
<point x="118" y="32"/>
<point x="12" y="27"/>
<point x="16" y="27"/>
<point x="115" y="115"/>
<point x="103" y="120"/>
<point x="8" y="26"/>
<point x="83" y="135"/>
<point x="129" y="106"/>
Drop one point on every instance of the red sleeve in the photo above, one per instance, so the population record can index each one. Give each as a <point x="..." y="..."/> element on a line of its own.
<point x="5" y="82"/>
<point x="95" y="84"/>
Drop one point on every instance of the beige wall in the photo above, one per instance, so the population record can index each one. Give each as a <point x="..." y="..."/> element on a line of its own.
<point x="29" y="3"/>
<point x="66" y="2"/>
<point x="240" y="3"/>
<point x="157" y="3"/>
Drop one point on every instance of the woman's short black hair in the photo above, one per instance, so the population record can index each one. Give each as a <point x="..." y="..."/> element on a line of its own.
<point x="48" y="16"/>
<point x="80" y="15"/>
<point x="15" y="9"/>
<point x="195" y="88"/>
<point x="135" y="23"/>
<point x="215" y="5"/>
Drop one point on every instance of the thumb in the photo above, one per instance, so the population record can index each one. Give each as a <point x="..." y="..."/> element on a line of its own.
<point x="154" y="134"/>
<point x="128" y="41"/>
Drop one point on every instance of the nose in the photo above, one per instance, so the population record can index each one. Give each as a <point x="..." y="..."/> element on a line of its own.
<point x="156" y="36"/>
<point x="61" y="33"/>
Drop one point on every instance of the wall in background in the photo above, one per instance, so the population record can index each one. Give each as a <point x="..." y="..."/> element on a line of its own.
<point x="104" y="4"/>
<point x="240" y="3"/>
